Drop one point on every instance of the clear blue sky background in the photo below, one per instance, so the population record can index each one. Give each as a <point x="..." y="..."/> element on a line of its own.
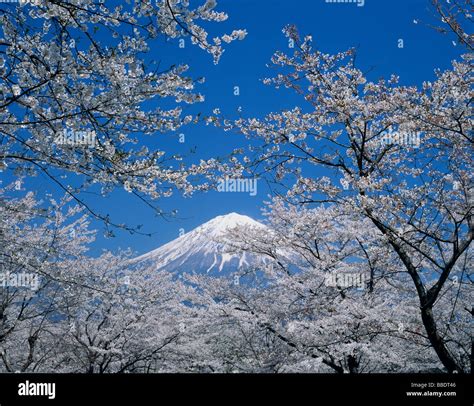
<point x="374" y="29"/>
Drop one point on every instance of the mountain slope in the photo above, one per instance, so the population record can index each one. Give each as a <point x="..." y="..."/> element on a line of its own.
<point x="200" y="251"/>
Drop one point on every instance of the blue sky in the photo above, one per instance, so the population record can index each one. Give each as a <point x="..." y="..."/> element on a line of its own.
<point x="374" y="29"/>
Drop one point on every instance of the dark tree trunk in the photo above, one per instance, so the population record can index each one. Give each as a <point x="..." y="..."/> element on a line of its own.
<point x="427" y="298"/>
<point x="437" y="342"/>
<point x="353" y="364"/>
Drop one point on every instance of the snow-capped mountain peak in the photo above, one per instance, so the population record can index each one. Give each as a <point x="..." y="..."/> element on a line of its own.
<point x="220" y="224"/>
<point x="202" y="250"/>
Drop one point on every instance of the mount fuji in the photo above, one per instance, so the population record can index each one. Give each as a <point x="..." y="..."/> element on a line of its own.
<point x="202" y="251"/>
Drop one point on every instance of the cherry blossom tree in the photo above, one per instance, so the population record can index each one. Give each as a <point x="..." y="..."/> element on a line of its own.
<point x="396" y="159"/>
<point x="38" y="244"/>
<point x="456" y="17"/>
<point x="62" y="310"/>
<point x="298" y="313"/>
<point x="328" y="301"/>
<point x="368" y="243"/>
<point x="127" y="322"/>
<point x="79" y="94"/>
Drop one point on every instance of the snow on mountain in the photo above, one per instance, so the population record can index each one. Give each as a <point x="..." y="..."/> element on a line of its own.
<point x="200" y="251"/>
